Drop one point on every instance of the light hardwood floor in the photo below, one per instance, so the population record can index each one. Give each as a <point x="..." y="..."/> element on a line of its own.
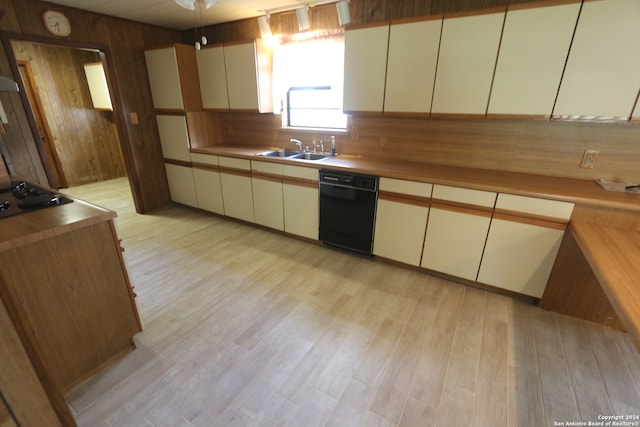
<point x="245" y="327"/>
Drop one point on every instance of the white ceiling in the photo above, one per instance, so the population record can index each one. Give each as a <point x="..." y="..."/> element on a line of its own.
<point x="167" y="14"/>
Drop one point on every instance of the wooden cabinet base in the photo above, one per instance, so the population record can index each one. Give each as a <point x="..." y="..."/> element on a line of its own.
<point x="77" y="297"/>
<point x="573" y="288"/>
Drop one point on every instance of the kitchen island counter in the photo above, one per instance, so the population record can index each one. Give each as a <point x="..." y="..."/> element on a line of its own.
<point x="63" y="268"/>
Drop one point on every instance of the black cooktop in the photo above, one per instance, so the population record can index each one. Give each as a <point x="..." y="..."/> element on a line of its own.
<point x="18" y="197"/>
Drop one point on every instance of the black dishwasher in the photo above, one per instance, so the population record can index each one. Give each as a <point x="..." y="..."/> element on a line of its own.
<point x="348" y="210"/>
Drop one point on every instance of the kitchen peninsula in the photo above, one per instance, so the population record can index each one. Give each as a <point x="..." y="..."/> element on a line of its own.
<point x="65" y="282"/>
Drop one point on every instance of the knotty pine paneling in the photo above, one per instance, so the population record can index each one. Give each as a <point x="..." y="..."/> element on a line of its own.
<point x="86" y="139"/>
<point x="124" y="42"/>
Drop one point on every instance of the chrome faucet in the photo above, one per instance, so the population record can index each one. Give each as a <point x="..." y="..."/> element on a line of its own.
<point x="297" y="142"/>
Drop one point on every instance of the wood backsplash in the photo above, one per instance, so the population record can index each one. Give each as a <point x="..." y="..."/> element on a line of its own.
<point x="529" y="146"/>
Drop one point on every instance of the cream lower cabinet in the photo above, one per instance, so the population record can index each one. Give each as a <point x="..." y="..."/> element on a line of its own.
<point x="458" y="224"/>
<point x="206" y="178"/>
<point x="401" y="219"/>
<point x="301" y="201"/>
<point x="523" y="242"/>
<point x="181" y="187"/>
<point x="237" y="194"/>
<point x="268" y="204"/>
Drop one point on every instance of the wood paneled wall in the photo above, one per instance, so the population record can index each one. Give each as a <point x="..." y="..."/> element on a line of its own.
<point x="85" y="139"/>
<point x="326" y="17"/>
<point x="124" y="42"/>
<point x="529" y="146"/>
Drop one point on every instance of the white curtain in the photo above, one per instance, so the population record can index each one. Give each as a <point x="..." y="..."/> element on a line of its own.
<point x="315" y="61"/>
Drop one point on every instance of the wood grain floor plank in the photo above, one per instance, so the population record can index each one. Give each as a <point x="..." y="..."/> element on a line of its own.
<point x="431" y="368"/>
<point x="492" y="390"/>
<point x="615" y="374"/>
<point x="392" y="392"/>
<point x="375" y="361"/>
<point x="244" y="327"/>
<point x="590" y="393"/>
<point x="526" y="407"/>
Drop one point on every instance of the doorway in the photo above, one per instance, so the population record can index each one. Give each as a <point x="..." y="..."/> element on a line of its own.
<point x="80" y="142"/>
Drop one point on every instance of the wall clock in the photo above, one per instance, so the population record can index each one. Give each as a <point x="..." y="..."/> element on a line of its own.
<point x="56" y="23"/>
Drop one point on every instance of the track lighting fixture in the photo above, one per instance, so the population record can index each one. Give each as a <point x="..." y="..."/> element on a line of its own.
<point x="344" y="15"/>
<point x="302" y="13"/>
<point x="265" y="29"/>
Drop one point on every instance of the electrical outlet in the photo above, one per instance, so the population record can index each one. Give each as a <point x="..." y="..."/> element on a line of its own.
<point x="589" y="159"/>
<point x="382" y="141"/>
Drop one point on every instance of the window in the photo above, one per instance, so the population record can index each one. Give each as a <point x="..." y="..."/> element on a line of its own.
<point x="307" y="82"/>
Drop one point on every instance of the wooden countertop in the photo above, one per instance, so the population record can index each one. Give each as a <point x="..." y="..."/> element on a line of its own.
<point x="566" y="189"/>
<point x="42" y="224"/>
<point x="614" y="257"/>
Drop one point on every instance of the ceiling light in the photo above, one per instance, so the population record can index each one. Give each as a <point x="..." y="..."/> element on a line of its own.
<point x="191" y="4"/>
<point x="344" y="15"/>
<point x="302" y="14"/>
<point x="265" y="29"/>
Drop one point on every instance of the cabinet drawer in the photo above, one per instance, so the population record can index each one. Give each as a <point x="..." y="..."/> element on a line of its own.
<point x="233" y="163"/>
<point x="400" y="186"/>
<point x="266" y="167"/>
<point x="300" y="172"/>
<point x="532" y="206"/>
<point x="464" y="195"/>
<point x="206" y="159"/>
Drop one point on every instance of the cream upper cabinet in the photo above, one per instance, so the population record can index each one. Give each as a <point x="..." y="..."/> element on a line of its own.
<point x="213" y="78"/>
<point x="602" y="76"/>
<point x="534" y="48"/>
<point x="468" y="53"/>
<point x="411" y="66"/>
<point x="401" y="218"/>
<point x="301" y="201"/>
<point x="174" y="137"/>
<point x="248" y="68"/>
<point x="173" y="78"/>
<point x="268" y="204"/>
<point x="523" y="241"/>
<point x="365" y="64"/>
<point x="457" y="231"/>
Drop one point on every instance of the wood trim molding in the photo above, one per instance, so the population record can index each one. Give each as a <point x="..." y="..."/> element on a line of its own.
<point x="415" y="115"/>
<point x="205" y="166"/>
<point x="525" y="218"/>
<point x="461" y="14"/>
<point x="413" y="19"/>
<point x="266" y="176"/>
<point x="234" y="171"/>
<point x="542" y="3"/>
<point x="300" y="182"/>
<point x="457" y="116"/>
<point x="367" y="25"/>
<point x="407" y="199"/>
<point x="447" y="205"/>
<point x="178" y="162"/>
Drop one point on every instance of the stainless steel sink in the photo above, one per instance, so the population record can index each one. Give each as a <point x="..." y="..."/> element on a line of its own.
<point x="283" y="152"/>
<point x="309" y="156"/>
